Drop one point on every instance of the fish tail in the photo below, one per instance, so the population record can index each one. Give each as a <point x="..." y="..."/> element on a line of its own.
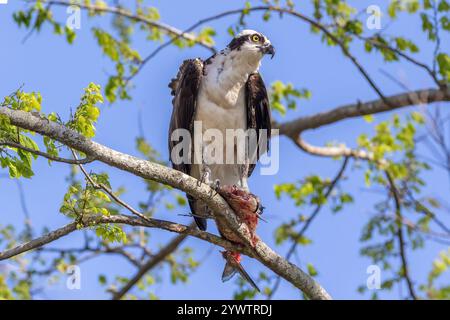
<point x="233" y="266"/>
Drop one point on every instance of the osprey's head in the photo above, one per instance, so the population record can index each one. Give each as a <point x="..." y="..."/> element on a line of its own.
<point x="252" y="43"/>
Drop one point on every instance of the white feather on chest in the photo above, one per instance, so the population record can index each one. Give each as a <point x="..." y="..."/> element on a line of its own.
<point x="221" y="101"/>
<point x="221" y="105"/>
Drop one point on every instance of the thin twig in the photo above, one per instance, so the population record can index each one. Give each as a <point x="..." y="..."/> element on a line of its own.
<point x="46" y="155"/>
<point x="136" y="17"/>
<point x="401" y="239"/>
<point x="151" y="263"/>
<point x="422" y="65"/>
<point x="436" y="34"/>
<point x="109" y="191"/>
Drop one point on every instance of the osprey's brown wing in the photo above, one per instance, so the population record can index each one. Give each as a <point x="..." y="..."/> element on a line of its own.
<point x="258" y="113"/>
<point x="185" y="91"/>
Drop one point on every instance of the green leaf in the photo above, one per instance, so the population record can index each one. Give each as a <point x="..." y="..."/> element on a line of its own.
<point x="311" y="270"/>
<point x="70" y="35"/>
<point x="444" y="66"/>
<point x="304" y="241"/>
<point x="369" y="118"/>
<point x="87" y="112"/>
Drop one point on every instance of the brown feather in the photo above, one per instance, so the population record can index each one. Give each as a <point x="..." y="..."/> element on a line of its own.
<point x="258" y="111"/>
<point x="185" y="91"/>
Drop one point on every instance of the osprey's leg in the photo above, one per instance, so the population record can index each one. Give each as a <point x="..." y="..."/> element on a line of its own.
<point x="215" y="186"/>
<point x="205" y="171"/>
<point x="206" y="174"/>
<point x="243" y="175"/>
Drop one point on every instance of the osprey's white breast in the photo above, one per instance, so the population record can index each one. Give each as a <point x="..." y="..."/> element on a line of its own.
<point x="221" y="105"/>
<point x="221" y="100"/>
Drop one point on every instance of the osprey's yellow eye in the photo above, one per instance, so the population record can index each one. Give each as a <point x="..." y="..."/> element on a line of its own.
<point x="255" y="38"/>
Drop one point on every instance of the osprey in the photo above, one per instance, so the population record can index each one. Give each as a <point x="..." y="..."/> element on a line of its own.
<point x="223" y="92"/>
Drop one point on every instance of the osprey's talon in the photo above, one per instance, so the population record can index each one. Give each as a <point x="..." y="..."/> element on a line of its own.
<point x="201" y="180"/>
<point x="254" y="240"/>
<point x="206" y="173"/>
<point x="204" y="177"/>
<point x="259" y="208"/>
<point x="261" y="218"/>
<point x="215" y="186"/>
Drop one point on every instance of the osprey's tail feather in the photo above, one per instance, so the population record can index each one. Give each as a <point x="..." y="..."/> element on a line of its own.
<point x="202" y="223"/>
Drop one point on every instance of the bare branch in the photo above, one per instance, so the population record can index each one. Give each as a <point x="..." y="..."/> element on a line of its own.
<point x="335" y="151"/>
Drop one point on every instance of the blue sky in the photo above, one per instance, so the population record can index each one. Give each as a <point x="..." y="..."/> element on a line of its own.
<point x="46" y="63"/>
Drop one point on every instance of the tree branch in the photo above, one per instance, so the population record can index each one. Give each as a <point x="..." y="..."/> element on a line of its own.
<point x="135" y="17"/>
<point x="424" y="96"/>
<point x="406" y="57"/>
<point x="400" y="235"/>
<point x="92" y="221"/>
<point x="151" y="263"/>
<point x="45" y="155"/>
<point x="119" y="250"/>
<point x="337" y="151"/>
<point x="156" y="172"/>
<point x="39" y="242"/>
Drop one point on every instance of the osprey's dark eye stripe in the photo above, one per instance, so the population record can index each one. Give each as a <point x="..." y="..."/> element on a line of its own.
<point x="236" y="43"/>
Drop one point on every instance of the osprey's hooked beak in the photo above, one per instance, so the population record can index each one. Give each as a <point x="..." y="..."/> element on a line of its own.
<point x="268" y="49"/>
